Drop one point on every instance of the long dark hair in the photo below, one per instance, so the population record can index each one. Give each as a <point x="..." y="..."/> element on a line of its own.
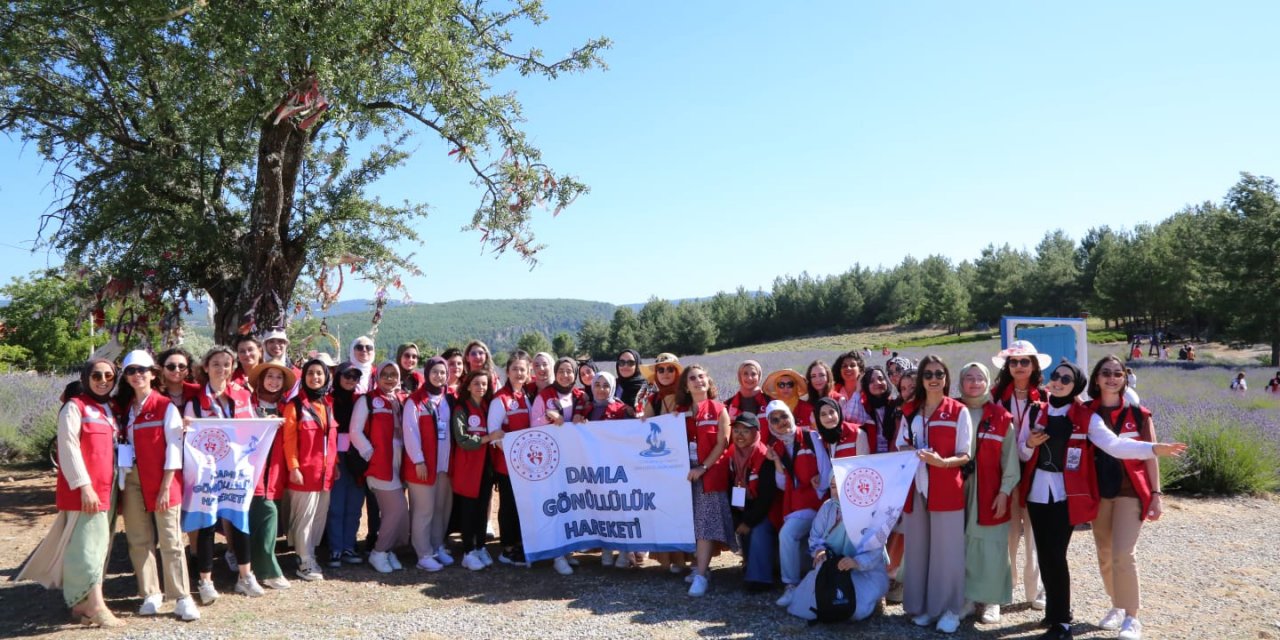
<point x="125" y="393"/>
<point x="1004" y="379"/>
<point x="683" y="397"/>
<point x="176" y="351"/>
<point x="1095" y="391"/>
<point x="464" y="387"/>
<point x="920" y="392"/>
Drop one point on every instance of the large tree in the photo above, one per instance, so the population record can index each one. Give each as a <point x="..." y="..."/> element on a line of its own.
<point x="227" y="147"/>
<point x="1248" y="230"/>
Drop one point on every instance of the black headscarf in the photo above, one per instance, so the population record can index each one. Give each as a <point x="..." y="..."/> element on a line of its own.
<point x="316" y="395"/>
<point x="343" y="400"/>
<point x="426" y="374"/>
<point x="829" y="435"/>
<point x="554" y="383"/>
<point x="629" y="387"/>
<point x="87" y="372"/>
<point x="1078" y="384"/>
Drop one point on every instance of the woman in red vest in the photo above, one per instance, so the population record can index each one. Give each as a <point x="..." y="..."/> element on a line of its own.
<point x="310" y="452"/>
<point x="248" y="355"/>
<point x="271" y="381"/>
<point x="73" y="555"/>
<point x="1129" y="494"/>
<point x="940" y="431"/>
<point x="876" y="401"/>
<point x="473" y="465"/>
<point x="787" y="386"/>
<point x="791" y="451"/>
<point x="557" y="404"/>
<point x="754" y="503"/>
<point x="993" y="479"/>
<point x="407" y="357"/>
<point x="821" y="384"/>
<point x="175" y="377"/>
<point x="603" y="404"/>
<point x="707" y="430"/>
<point x="377" y="434"/>
<point x="425" y="468"/>
<point x="750" y="398"/>
<point x="509" y="411"/>
<point x="848" y="371"/>
<point x="222" y="398"/>
<point x="664" y="380"/>
<point x="1060" y="482"/>
<point x="152" y="495"/>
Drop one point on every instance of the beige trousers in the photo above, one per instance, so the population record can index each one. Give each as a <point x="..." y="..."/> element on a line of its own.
<point x="143" y="530"/>
<point x="429" y="508"/>
<point x="1020" y="530"/>
<point x="1116" y="534"/>
<point x="308" y="512"/>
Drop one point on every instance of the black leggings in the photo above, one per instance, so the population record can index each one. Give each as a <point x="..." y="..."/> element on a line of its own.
<point x="1051" y="526"/>
<point x="508" y="515"/>
<point x="204" y="547"/>
<point x="473" y="513"/>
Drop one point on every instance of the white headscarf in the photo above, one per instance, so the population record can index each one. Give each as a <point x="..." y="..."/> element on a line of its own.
<point x="366" y="381"/>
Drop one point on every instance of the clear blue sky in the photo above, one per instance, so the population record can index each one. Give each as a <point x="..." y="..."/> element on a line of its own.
<point x="729" y="143"/>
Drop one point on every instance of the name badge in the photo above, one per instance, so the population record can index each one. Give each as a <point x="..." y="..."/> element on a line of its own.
<point x="738" y="498"/>
<point x="1073" y="458"/>
<point x="124" y="456"/>
<point x="693" y="452"/>
<point x="442" y="434"/>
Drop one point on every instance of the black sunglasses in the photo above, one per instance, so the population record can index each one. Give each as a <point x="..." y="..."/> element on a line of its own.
<point x="929" y="374"/>
<point x="175" y="366"/>
<point x="786" y="384"/>
<point x="1064" y="378"/>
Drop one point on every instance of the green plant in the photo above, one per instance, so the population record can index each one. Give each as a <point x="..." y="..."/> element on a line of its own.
<point x="1223" y="459"/>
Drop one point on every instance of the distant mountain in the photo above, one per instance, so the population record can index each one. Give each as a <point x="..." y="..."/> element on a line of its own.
<point x="199" y="316"/>
<point x="499" y="323"/>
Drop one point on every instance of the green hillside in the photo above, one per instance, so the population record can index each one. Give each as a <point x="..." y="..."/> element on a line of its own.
<point x="499" y="323"/>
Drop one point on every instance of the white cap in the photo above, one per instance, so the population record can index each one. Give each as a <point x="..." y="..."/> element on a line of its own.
<point x="275" y="334"/>
<point x="138" y="358"/>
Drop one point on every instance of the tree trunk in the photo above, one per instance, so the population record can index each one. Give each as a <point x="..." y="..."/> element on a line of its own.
<point x="271" y="258"/>
<point x="1275" y="352"/>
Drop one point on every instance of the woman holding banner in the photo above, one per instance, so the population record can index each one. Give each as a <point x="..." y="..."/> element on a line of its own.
<point x="940" y="431"/>
<point x="175" y="381"/>
<point x="664" y="381"/>
<point x="707" y="428"/>
<point x="73" y="555"/>
<point x="310" y="451"/>
<point x="222" y="398"/>
<point x="271" y="381"/>
<point x="556" y="404"/>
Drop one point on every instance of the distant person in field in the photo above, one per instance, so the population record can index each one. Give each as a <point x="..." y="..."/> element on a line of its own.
<point x="1136" y="351"/>
<point x="1239" y="384"/>
<point x="1182" y="352"/>
<point x="1131" y="378"/>
<point x="1164" y="352"/>
<point x="1191" y="353"/>
<point x="1274" y="385"/>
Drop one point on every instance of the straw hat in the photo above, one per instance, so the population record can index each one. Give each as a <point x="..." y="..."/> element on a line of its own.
<point x="770" y="385"/>
<point x="255" y="375"/>
<point x="649" y="371"/>
<point x="1022" y="348"/>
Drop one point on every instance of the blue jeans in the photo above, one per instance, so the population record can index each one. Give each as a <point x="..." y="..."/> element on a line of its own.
<point x="793" y="547"/>
<point x="345" y="501"/>
<point x="760" y="553"/>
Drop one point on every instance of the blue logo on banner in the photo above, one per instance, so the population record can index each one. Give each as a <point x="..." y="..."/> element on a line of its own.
<point x="657" y="446"/>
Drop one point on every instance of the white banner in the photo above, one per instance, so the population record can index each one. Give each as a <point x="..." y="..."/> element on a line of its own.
<point x="222" y="461"/>
<point x="621" y="484"/>
<point x="873" y="490"/>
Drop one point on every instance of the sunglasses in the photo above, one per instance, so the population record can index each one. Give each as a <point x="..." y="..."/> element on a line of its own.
<point x="930" y="374"/>
<point x="665" y="369"/>
<point x="1109" y="374"/>
<point x="174" y="366"/>
<point x="1019" y="362"/>
<point x="1064" y="378"/>
<point x="352" y="375"/>
<point x="102" y="376"/>
<point x="364" y="347"/>
<point x="626" y="363"/>
<point x="777" y="419"/>
<point x="134" y="371"/>
<point x="786" y="384"/>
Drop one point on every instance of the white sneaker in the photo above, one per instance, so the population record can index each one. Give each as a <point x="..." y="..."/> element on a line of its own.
<point x="151" y="604"/>
<point x="1131" y="629"/>
<point x="186" y="609"/>
<point x="279" y="583"/>
<point x="1039" y="602"/>
<point x="1112" y="620"/>
<point x="378" y="560"/>
<point x="948" y="623"/>
<point x="208" y="594"/>
<point x="606" y="558"/>
<point x="231" y="562"/>
<point x="922" y="620"/>
<point x="472" y="561"/>
<point x="428" y="563"/>
<point x="442" y="554"/>
<point x="562" y="567"/>
<point x="484" y="556"/>
<point x="394" y="560"/>
<point x="699" y="586"/>
<point x="787" y="596"/>
<point x="624" y="560"/>
<point x="248" y="585"/>
<point x="309" y="570"/>
<point x="991" y="614"/>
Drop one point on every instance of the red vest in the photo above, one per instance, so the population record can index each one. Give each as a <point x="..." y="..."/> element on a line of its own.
<point x="317" y="442"/>
<point x="1132" y="428"/>
<point x="149" y="449"/>
<point x="550" y="400"/>
<point x="468" y="466"/>
<point x="516" y="407"/>
<point x="380" y="429"/>
<point x="275" y="476"/>
<point x="797" y="491"/>
<point x="98" y="449"/>
<point x="614" y="410"/>
<point x="702" y="428"/>
<point x="241" y="399"/>
<point x="946" y="485"/>
<point x="752" y="480"/>
<point x="847" y="446"/>
<point x="803" y="415"/>
<point x="430" y="437"/>
<point x="1082" y="482"/>
<point x="733" y="406"/>
<point x="992" y="429"/>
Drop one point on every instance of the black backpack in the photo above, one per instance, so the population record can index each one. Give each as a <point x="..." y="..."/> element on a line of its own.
<point x="834" y="597"/>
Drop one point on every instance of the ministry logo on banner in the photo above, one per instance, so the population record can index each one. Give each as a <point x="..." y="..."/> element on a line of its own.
<point x="222" y="462"/>
<point x="601" y="484"/>
<point x="873" y="490"/>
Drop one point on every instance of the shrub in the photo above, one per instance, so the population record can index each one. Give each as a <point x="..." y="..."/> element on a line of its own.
<point x="1223" y="459"/>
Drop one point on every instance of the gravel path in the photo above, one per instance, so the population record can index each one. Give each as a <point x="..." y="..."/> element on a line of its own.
<point x="1211" y="569"/>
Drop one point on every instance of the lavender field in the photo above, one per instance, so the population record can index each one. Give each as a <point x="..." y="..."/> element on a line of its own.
<point x="28" y="413"/>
